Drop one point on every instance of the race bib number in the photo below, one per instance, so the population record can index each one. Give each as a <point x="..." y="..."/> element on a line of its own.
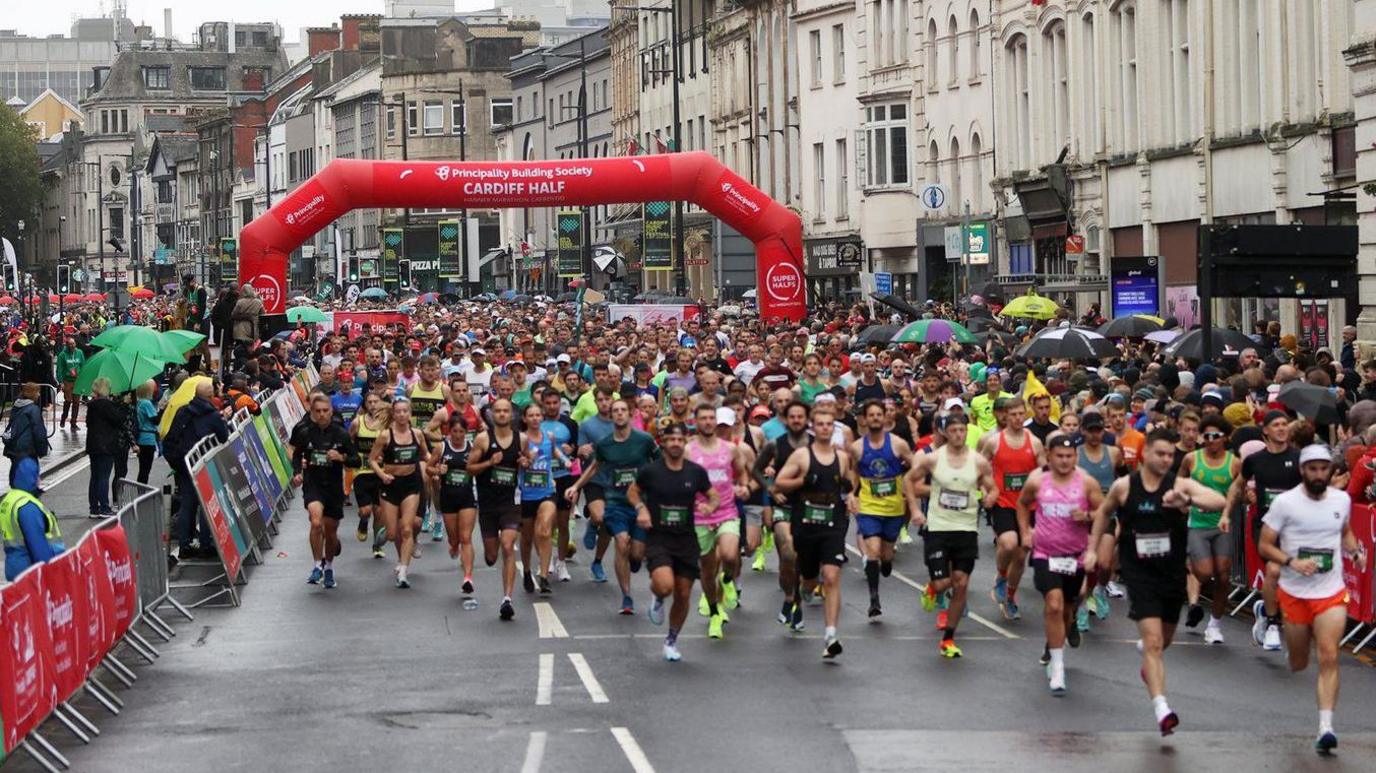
<point x="470" y="436"/>
<point x="475" y="389"/>
<point x="953" y="500"/>
<point x="1153" y="545"/>
<point x="716" y="476"/>
<point x="457" y="478"/>
<point x="1267" y="497"/>
<point x="884" y="487"/>
<point x="817" y="514"/>
<point x="1012" y="482"/>
<point x="673" y="516"/>
<point x="319" y="458"/>
<point x="1322" y="557"/>
<point x="406" y="455"/>
<point x="623" y="476"/>
<point x="537" y="478"/>
<point x="1067" y="565"/>
<point x="504" y="476"/>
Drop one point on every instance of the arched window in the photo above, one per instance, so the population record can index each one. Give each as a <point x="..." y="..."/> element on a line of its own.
<point x="1124" y="33"/>
<point x="1020" y="103"/>
<point x="931" y="74"/>
<point x="1088" y="73"/>
<point x="933" y="164"/>
<point x="976" y="173"/>
<point x="1057" y="80"/>
<point x="975" y="63"/>
<point x="957" y="198"/>
<point x="953" y="53"/>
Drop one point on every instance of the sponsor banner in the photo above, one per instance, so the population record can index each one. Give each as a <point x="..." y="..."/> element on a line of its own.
<point x="365" y="322"/>
<point x="646" y="313"/>
<point x="238" y="493"/>
<point x="26" y="695"/>
<point x="65" y="603"/>
<point x="498" y="185"/>
<point x="1361" y="604"/>
<point x="220" y="524"/>
<point x="1136" y="283"/>
<point x="119" y="567"/>
<point x="274" y="456"/>
<point x="657" y="236"/>
<point x="266" y="486"/>
<point x="99" y="598"/>
<point x="451" y="262"/>
<point x="570" y="232"/>
<point x="742" y="197"/>
<point x="229" y="259"/>
<point x="393" y="240"/>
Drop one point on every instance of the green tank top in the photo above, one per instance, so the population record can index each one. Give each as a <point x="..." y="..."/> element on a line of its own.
<point x="1217" y="478"/>
<point x="809" y="393"/>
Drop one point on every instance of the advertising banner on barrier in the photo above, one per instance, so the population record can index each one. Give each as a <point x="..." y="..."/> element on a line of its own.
<point x="1361" y="604"/>
<point x="238" y="532"/>
<point x="235" y="484"/>
<point x="281" y="425"/>
<point x="244" y="450"/>
<point x="274" y="455"/>
<point x="1254" y="569"/>
<point x="230" y="557"/>
<point x="61" y="582"/>
<point x="648" y="313"/>
<point x="119" y="567"/>
<point x="26" y="695"/>
<point x="100" y="602"/>
<point x="261" y="462"/>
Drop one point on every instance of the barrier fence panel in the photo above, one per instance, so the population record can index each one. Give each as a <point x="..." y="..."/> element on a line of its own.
<point x="238" y="492"/>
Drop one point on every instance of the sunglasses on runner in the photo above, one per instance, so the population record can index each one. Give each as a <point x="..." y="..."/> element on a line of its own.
<point x="1213" y="435"/>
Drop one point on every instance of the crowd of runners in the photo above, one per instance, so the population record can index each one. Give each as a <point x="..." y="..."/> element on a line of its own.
<point x="696" y="451"/>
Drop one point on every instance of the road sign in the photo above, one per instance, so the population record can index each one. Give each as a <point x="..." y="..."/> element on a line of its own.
<point x="955" y="244"/>
<point x="933" y="197"/>
<point x="883" y="282"/>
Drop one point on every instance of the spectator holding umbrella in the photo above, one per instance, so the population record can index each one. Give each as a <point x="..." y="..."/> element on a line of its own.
<point x="105" y="423"/>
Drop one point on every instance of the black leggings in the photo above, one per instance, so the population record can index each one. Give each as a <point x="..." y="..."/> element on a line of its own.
<point x="146" y="456"/>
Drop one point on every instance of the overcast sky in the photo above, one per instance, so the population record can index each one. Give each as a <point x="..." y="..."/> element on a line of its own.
<point x="46" y="17"/>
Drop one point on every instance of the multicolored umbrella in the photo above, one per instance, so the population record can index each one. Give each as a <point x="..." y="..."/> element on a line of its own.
<point x="1031" y="306"/>
<point x="934" y="331"/>
<point x="428" y="298"/>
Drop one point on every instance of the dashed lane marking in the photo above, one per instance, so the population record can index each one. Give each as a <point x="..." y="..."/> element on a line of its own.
<point x="550" y="625"/>
<point x="590" y="683"/>
<point x="544" y="682"/>
<point x="634" y="754"/>
<point x="535" y="752"/>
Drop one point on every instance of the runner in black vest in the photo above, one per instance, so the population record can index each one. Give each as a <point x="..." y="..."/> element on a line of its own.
<point x="1152" y="507"/>
<point x="495" y="460"/>
<point x="767" y="464"/>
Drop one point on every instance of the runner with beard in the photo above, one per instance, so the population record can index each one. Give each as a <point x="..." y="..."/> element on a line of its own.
<point x="778" y="517"/>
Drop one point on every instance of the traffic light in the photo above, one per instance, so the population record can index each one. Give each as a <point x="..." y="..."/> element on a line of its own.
<point x="64" y="279"/>
<point x="11" y="278"/>
<point x="404" y="273"/>
<point x="353" y="268"/>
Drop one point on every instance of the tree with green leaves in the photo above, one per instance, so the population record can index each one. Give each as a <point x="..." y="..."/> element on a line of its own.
<point x="21" y="191"/>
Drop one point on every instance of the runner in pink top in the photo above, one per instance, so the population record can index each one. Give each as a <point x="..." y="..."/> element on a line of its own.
<point x="1065" y="499"/>
<point x="719" y="534"/>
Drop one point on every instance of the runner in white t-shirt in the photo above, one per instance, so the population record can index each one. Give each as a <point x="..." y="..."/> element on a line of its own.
<point x="1307" y="532"/>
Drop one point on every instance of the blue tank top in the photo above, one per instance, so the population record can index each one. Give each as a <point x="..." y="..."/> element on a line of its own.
<point x="346" y="407"/>
<point x="879" y="462"/>
<point x="1102" y="470"/>
<point x="537" y="482"/>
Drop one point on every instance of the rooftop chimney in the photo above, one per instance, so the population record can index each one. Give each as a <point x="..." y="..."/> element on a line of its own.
<point x="167" y="23"/>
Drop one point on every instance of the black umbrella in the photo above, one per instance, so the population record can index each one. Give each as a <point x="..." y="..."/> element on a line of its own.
<point x="1226" y="343"/>
<point x="1130" y="326"/>
<point x="1315" y="403"/>
<point x="1072" y="342"/>
<point x="992" y="291"/>
<point x="893" y="301"/>
<point x="981" y="324"/>
<point x="1003" y="337"/>
<point x="877" y="334"/>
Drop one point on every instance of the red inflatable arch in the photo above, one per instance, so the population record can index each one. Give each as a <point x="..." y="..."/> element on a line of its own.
<point x="694" y="177"/>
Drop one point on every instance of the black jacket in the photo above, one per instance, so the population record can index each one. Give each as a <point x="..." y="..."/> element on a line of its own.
<point x="28" y="437"/>
<point x="106" y="426"/>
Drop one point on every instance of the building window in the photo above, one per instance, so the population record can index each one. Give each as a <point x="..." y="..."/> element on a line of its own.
<point x="842" y="181"/>
<point x="838" y="53"/>
<point x="434" y="117"/>
<point x="1088" y="72"/>
<point x="117" y="222"/>
<point x="520" y="108"/>
<point x="501" y="111"/>
<point x="886" y="133"/>
<point x="1125" y="40"/>
<point x="975" y="63"/>
<point x="549" y="114"/>
<point x="412" y="119"/>
<point x="953" y="53"/>
<point x="976" y="174"/>
<point x="105" y="122"/>
<point x="1057" y="79"/>
<point x="391" y="122"/>
<point x="207" y="78"/>
<point x="932" y="78"/>
<point x="156" y="77"/>
<point x="814" y="44"/>
<point x="933" y="164"/>
<point x="1178" y="19"/>
<point x="819" y="183"/>
<point x="957" y="198"/>
<point x="458" y="118"/>
<point x="1016" y="56"/>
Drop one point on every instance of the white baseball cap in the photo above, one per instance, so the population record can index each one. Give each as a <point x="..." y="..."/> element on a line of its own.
<point x="1318" y="452"/>
<point x="952" y="402"/>
<point x="478" y="352"/>
<point x="726" y="417"/>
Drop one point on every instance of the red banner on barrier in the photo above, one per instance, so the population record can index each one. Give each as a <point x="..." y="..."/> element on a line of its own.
<point x="64" y="598"/>
<point x="1361" y="605"/>
<point x="362" y="322"/>
<point x="26" y="695"/>
<point x="100" y="602"/>
<point x="219" y="523"/>
<point x="1254" y="567"/>
<point x="114" y="548"/>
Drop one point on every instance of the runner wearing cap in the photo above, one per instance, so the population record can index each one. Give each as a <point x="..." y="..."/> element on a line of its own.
<point x="1271" y="471"/>
<point x="1152" y="506"/>
<point x="1102" y="463"/>
<point x="1307" y="532"/>
<point x="870" y="386"/>
<point x="883" y="458"/>
<point x="956" y="482"/>
<point x="1064" y="499"/>
<point x="719" y="533"/>
<point x="1014" y="453"/>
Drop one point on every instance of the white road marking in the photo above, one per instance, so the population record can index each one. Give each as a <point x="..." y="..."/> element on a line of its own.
<point x="544" y="682"/>
<point x="535" y="752"/>
<point x="580" y="664"/>
<point x="1000" y="630"/>
<point x="550" y="625"/>
<point x="69" y="472"/>
<point x="634" y="754"/>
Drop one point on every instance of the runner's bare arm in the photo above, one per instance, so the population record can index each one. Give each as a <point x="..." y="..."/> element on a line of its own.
<point x="986" y="481"/>
<point x="1026" y="499"/>
<point x="384" y="439"/>
<point x="477" y="459"/>
<point x="790" y="478"/>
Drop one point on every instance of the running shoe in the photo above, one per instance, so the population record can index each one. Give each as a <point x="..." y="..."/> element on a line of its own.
<point x="1326" y="742"/>
<point x="703" y="608"/>
<point x="1168" y="724"/>
<point x="1101" y="604"/>
<point x="657" y="611"/>
<point x="797" y="623"/>
<point x="561" y="571"/>
<point x="545" y="590"/>
<point x="316" y="574"/>
<point x="1010" y="610"/>
<point x="1072" y="637"/>
<point x="569" y="551"/>
<point x="730" y="597"/>
<point x="1213" y="635"/>
<point x="832" y="648"/>
<point x="1115" y="589"/>
<point x="598" y="574"/>
<point x="1082" y="618"/>
<point x="528" y="582"/>
<point x="507" y="611"/>
<point x="942" y="617"/>
<point x="362" y="532"/>
<point x="928" y="599"/>
<point x="1045" y="659"/>
<point x="714" y="626"/>
<point x="767" y="544"/>
<point x="635" y="565"/>
<point x="467" y="586"/>
<point x="1056" y="679"/>
<point x="785" y="613"/>
<point x="437" y="530"/>
<point x="875" y="609"/>
<point x="671" y="653"/>
<point x="590" y="537"/>
<point x="627" y="606"/>
<point x="1271" y="641"/>
<point x="402" y="582"/>
<point x="1000" y="592"/>
<point x="757" y="565"/>
<point x="415" y="550"/>
<point x="329" y="578"/>
<point x="904" y="538"/>
<point x="1194" y="617"/>
<point x="379" y="553"/>
<point x="949" y="649"/>
<point x="1259" y="622"/>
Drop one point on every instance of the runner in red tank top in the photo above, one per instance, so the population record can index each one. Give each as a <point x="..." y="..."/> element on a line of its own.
<point x="1014" y="454"/>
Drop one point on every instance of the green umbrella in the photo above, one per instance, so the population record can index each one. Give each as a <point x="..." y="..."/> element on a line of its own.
<point x="185" y="339"/>
<point x="299" y="314"/>
<point x="125" y="370"/>
<point x="932" y="331"/>
<point x="137" y="339"/>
